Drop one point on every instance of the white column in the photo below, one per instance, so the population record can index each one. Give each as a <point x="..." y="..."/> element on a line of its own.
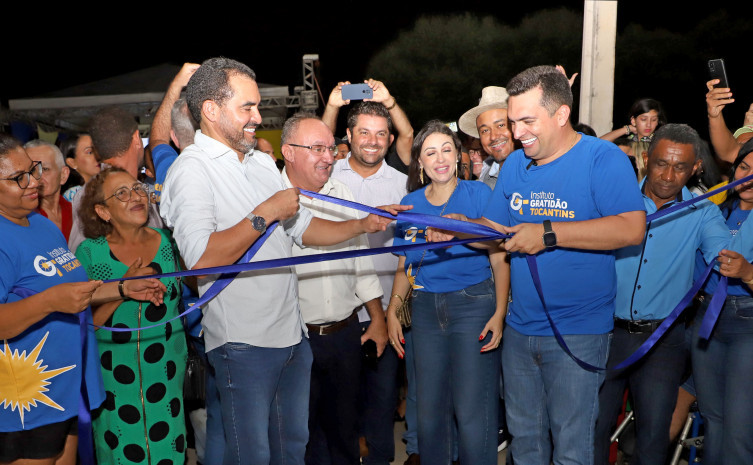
<point x="597" y="64"/>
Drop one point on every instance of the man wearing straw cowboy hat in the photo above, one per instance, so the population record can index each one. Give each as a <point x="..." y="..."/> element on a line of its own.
<point x="488" y="122"/>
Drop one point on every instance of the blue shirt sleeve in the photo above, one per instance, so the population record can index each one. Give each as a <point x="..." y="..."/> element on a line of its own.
<point x="614" y="186"/>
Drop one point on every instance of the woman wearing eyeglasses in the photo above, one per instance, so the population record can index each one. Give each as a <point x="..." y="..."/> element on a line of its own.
<point x="142" y="416"/>
<point x="43" y="291"/>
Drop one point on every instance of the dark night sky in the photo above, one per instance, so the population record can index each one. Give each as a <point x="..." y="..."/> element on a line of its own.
<point x="65" y="49"/>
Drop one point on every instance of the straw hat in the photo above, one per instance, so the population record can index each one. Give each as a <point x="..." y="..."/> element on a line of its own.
<point x="492" y="98"/>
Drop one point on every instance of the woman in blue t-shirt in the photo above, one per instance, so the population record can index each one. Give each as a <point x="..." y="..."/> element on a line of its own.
<point x="42" y="289"/>
<point x="722" y="370"/>
<point x="458" y="307"/>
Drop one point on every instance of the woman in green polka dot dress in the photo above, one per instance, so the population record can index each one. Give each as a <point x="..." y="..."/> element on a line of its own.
<point x="141" y="420"/>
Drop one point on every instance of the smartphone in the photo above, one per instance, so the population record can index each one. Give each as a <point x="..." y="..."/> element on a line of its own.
<point x="369" y="352"/>
<point x="718" y="71"/>
<point x="356" y="92"/>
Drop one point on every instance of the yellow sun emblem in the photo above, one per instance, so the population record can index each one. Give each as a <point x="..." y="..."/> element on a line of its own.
<point x="411" y="278"/>
<point x="23" y="381"/>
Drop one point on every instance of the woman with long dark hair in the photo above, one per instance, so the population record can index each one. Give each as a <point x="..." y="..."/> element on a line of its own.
<point x="645" y="117"/>
<point x="722" y="370"/>
<point x="78" y="151"/>
<point x="459" y="300"/>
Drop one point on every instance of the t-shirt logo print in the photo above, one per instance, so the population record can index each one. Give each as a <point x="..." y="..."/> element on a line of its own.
<point x="28" y="372"/>
<point x="45" y="267"/>
<point x="412" y="233"/>
<point x="516" y="202"/>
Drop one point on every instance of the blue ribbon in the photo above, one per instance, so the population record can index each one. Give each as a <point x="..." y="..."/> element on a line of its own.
<point x="486" y="234"/>
<point x="85" y="439"/>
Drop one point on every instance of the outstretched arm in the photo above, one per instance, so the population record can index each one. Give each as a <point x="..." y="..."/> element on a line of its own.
<point x="334" y="103"/>
<point x="724" y="143"/>
<point x="400" y="120"/>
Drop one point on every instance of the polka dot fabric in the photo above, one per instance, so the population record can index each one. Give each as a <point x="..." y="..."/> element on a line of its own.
<point x="142" y="419"/>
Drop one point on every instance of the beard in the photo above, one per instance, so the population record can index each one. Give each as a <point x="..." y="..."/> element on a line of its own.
<point x="236" y="139"/>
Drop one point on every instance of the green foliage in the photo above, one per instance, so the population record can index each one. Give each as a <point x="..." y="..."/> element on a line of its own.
<point x="438" y="68"/>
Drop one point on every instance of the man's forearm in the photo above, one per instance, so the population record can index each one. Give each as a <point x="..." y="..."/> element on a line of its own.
<point x="161" y="124"/>
<point x="374" y="309"/>
<point x="324" y="232"/>
<point x="330" y="117"/>
<point x="227" y="246"/>
<point x="404" y="130"/>
<point x="606" y="233"/>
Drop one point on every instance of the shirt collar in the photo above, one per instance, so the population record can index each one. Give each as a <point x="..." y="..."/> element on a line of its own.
<point x="381" y="172"/>
<point x="326" y="188"/>
<point x="683" y="195"/>
<point x="213" y="147"/>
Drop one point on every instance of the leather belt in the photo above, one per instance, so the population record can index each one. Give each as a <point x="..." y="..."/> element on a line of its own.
<point x="637" y="326"/>
<point x="330" y="328"/>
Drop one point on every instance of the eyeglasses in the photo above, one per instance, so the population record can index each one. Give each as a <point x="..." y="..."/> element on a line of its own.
<point x="124" y="193"/>
<point x="317" y="148"/>
<point x="24" y="178"/>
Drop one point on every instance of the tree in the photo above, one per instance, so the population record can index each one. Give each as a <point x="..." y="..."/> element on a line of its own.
<point x="438" y="68"/>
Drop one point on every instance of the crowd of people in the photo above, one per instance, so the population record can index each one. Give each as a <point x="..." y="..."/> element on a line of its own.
<point x="518" y="340"/>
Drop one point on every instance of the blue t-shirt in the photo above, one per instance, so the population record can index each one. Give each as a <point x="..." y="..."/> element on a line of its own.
<point x="737" y="222"/>
<point x="592" y="180"/>
<point x="40" y="369"/>
<point x="163" y="157"/>
<point x="449" y="269"/>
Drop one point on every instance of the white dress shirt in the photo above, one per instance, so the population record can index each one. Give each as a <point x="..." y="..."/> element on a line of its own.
<point x="208" y="189"/>
<point x="329" y="291"/>
<point x="386" y="186"/>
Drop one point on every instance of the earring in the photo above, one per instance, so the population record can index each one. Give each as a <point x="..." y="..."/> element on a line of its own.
<point x="421" y="174"/>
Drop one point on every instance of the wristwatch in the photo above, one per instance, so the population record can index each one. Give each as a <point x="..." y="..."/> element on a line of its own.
<point x="549" y="237"/>
<point x="259" y="223"/>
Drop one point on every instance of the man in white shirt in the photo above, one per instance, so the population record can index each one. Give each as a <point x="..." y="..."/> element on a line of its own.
<point x="330" y="294"/>
<point x="219" y="197"/>
<point x="373" y="182"/>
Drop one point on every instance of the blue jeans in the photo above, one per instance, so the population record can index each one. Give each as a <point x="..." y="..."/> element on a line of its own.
<point x="411" y="417"/>
<point x="723" y="375"/>
<point x="264" y="395"/>
<point x="454" y="377"/>
<point x="546" y="391"/>
<point x="653" y="382"/>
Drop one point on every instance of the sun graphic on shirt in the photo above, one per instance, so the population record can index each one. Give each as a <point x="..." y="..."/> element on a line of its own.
<point x="412" y="279"/>
<point x="24" y="381"/>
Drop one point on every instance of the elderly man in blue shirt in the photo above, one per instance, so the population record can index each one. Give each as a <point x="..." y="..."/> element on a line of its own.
<point x="652" y="278"/>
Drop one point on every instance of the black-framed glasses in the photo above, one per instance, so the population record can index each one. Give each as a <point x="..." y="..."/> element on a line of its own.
<point x="317" y="148"/>
<point x="24" y="178"/>
<point x="124" y="193"/>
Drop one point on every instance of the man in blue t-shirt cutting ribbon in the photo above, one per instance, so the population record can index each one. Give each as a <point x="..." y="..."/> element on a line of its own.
<point x="571" y="200"/>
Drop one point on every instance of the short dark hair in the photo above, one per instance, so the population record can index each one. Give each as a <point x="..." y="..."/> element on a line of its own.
<point x="291" y="125"/>
<point x="368" y="108"/>
<point x="431" y="127"/>
<point x="679" y="134"/>
<point x="645" y="105"/>
<point x="211" y="82"/>
<point x="555" y="88"/>
<point x="8" y="143"/>
<point x="111" y="130"/>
